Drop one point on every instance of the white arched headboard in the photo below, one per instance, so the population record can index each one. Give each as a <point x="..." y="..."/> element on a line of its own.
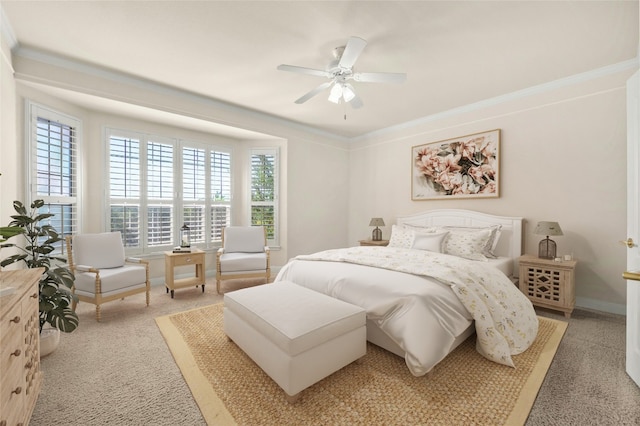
<point x="509" y="244"/>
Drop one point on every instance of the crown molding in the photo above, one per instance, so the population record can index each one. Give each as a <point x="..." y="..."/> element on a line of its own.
<point x="6" y="30"/>
<point x="123" y="78"/>
<point x="118" y="77"/>
<point x="519" y="94"/>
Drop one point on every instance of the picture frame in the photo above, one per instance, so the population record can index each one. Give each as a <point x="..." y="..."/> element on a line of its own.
<point x="463" y="167"/>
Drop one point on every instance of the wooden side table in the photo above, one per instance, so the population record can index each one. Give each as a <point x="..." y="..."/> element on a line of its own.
<point x="548" y="283"/>
<point x="382" y="243"/>
<point x="172" y="260"/>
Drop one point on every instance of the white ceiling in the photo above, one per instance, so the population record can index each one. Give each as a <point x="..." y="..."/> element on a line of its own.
<point x="454" y="53"/>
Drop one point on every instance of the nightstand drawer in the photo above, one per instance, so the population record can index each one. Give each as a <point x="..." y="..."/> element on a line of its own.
<point x="382" y="243"/>
<point x="188" y="259"/>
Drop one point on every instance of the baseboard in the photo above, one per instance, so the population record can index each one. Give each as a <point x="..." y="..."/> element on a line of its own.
<point x="599" y="305"/>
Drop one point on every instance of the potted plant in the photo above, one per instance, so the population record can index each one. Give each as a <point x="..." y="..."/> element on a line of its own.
<point x="55" y="295"/>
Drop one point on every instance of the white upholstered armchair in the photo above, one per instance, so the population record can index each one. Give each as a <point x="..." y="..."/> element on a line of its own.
<point x="102" y="272"/>
<point x="244" y="254"/>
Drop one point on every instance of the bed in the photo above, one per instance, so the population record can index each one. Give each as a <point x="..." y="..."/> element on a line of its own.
<point x="430" y="289"/>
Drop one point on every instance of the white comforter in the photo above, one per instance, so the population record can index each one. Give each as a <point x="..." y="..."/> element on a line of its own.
<point x="424" y="300"/>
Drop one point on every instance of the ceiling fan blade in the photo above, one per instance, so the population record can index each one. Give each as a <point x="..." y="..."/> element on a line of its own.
<point x="379" y="77"/>
<point x="303" y="70"/>
<point x="314" y="92"/>
<point x="353" y="49"/>
<point x="356" y="102"/>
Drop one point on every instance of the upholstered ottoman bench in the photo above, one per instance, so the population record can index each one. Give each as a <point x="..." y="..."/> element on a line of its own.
<point x="296" y="335"/>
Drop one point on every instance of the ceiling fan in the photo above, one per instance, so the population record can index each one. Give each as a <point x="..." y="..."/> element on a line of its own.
<point x="340" y="71"/>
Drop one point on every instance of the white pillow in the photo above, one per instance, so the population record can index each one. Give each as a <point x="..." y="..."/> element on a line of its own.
<point x="429" y="241"/>
<point x="469" y="244"/>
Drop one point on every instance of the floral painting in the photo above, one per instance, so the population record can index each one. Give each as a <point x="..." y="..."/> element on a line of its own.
<point x="467" y="166"/>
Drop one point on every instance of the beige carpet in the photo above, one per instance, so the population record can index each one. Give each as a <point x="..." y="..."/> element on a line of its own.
<point x="464" y="389"/>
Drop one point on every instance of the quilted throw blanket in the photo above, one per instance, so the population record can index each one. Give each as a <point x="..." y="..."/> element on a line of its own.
<point x="506" y="323"/>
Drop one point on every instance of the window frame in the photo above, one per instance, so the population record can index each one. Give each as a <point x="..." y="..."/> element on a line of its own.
<point x="275" y="152"/>
<point x="178" y="202"/>
<point x="33" y="112"/>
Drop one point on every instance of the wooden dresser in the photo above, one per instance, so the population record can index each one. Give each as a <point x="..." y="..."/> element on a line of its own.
<point x="20" y="375"/>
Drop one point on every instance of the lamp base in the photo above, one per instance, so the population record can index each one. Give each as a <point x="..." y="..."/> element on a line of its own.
<point x="377" y="234"/>
<point x="547" y="249"/>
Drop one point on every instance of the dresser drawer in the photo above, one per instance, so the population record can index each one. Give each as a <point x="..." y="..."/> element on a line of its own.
<point x="20" y="375"/>
<point x="12" y="381"/>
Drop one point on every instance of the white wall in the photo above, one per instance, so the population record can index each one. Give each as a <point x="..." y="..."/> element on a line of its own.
<point x="563" y="158"/>
<point x="8" y="148"/>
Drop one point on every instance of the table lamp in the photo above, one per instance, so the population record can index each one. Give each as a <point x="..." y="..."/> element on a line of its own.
<point x="547" y="247"/>
<point x="377" y="233"/>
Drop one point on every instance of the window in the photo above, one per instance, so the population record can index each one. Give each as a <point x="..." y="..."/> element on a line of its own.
<point x="158" y="184"/>
<point x="194" y="192"/>
<point x="264" y="191"/>
<point x="124" y="188"/>
<point x="160" y="194"/>
<point x="52" y="150"/>
<point x="220" y="193"/>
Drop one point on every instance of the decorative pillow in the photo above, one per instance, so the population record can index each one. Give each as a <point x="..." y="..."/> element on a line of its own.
<point x="469" y="244"/>
<point x="489" y="249"/>
<point x="401" y="237"/>
<point x="422" y="229"/>
<point x="429" y="241"/>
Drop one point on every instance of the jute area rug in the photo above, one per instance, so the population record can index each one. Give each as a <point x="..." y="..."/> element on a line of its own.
<point x="464" y="389"/>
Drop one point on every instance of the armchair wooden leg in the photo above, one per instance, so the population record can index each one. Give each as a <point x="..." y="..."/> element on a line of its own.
<point x="98" y="313"/>
<point x="218" y="286"/>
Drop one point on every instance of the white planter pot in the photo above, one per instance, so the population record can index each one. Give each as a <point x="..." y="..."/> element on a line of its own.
<point x="49" y="339"/>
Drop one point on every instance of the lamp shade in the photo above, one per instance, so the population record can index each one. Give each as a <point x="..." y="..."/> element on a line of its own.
<point x="376" y="221"/>
<point x="548" y="228"/>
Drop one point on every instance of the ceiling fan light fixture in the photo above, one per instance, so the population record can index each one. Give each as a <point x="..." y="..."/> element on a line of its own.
<point x="335" y="94"/>
<point x="340" y="70"/>
<point x="347" y="93"/>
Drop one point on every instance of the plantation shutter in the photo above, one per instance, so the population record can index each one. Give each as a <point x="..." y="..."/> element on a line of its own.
<point x="264" y="177"/>
<point x="160" y="209"/>
<point x="220" y="193"/>
<point x="124" y="188"/>
<point x="194" y="192"/>
<point x="53" y="173"/>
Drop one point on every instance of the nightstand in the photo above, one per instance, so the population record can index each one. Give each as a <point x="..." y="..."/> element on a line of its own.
<point x="381" y="243"/>
<point x="548" y="283"/>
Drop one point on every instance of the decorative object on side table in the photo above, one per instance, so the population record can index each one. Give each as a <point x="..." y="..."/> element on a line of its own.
<point x="547" y="247"/>
<point x="377" y="233"/>
<point x="185" y="240"/>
